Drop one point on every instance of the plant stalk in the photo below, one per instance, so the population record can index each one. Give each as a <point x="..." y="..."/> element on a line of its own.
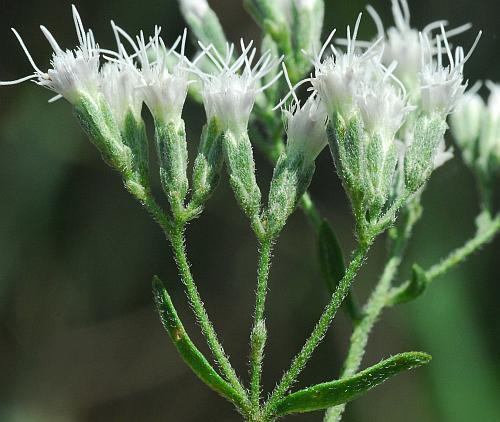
<point x="318" y="332"/>
<point x="258" y="336"/>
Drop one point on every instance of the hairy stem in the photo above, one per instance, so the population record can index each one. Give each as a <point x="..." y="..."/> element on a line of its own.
<point x="319" y="331"/>
<point x="179" y="249"/>
<point x="258" y="336"/>
<point x="372" y="311"/>
<point x="482" y="237"/>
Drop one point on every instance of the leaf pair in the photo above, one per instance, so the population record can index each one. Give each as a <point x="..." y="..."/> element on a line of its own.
<point x="317" y="397"/>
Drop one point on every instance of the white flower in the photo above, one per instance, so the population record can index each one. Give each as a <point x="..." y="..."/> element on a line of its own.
<point x="162" y="84"/>
<point x="229" y="94"/>
<point x="442" y="155"/>
<point x="383" y="106"/>
<point x="119" y="85"/>
<point x="339" y="78"/>
<point x="305" y="126"/>
<point x="402" y="42"/>
<point x="74" y="72"/>
<point x="357" y="84"/>
<point x="489" y="144"/>
<point x="305" y="4"/>
<point x="466" y="120"/>
<point x="494" y="100"/>
<point x="442" y="86"/>
<point x="164" y="91"/>
<point x="196" y="8"/>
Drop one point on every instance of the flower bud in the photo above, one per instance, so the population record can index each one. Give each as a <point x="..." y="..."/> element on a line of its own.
<point x="306" y="138"/>
<point x="208" y="163"/>
<point x="204" y="23"/>
<point x="97" y="121"/>
<point x="466" y="122"/>
<point x="306" y="25"/>
<point x="419" y="161"/>
<point x="489" y="143"/>
<point x="173" y="158"/>
<point x="270" y="15"/>
<point x="241" y="168"/>
<point x="291" y="178"/>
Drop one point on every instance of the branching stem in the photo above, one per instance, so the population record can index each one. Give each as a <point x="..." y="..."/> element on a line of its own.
<point x="482" y="237"/>
<point x="372" y="311"/>
<point x="318" y="332"/>
<point x="179" y="249"/>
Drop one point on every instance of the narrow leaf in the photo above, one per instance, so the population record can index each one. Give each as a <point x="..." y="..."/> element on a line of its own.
<point x="332" y="265"/>
<point x="412" y="289"/>
<point x="186" y="348"/>
<point x="322" y="396"/>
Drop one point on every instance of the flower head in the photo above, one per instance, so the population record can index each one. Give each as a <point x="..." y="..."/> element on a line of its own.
<point x="442" y="86"/>
<point x="305" y="125"/>
<point x="164" y="90"/>
<point x="339" y="77"/>
<point x="402" y="43"/>
<point x="489" y="143"/>
<point x="195" y="8"/>
<point x="74" y="72"/>
<point x="119" y="82"/>
<point x="230" y="93"/>
<point x="355" y="84"/>
<point x="466" y="122"/>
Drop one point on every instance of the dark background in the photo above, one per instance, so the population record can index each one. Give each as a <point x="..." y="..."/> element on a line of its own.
<point x="79" y="338"/>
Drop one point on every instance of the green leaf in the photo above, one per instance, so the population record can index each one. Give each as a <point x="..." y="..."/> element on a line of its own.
<point x="186" y="348"/>
<point x="322" y="396"/>
<point x="331" y="258"/>
<point x="414" y="288"/>
<point x="332" y="265"/>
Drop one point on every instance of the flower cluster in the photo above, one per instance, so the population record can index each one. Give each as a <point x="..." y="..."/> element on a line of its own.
<point x="476" y="129"/>
<point x="378" y="130"/>
<point x="404" y="44"/>
<point x="382" y="106"/>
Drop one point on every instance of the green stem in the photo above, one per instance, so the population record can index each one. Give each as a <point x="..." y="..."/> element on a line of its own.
<point x="179" y="249"/>
<point x="482" y="237"/>
<point x="318" y="332"/>
<point x="460" y="254"/>
<point x="147" y="200"/>
<point x="311" y="211"/>
<point x="372" y="311"/>
<point x="258" y="336"/>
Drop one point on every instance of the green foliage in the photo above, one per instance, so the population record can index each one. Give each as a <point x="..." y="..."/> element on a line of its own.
<point x="322" y="396"/>
<point x="417" y="285"/>
<point x="332" y="266"/>
<point x="186" y="348"/>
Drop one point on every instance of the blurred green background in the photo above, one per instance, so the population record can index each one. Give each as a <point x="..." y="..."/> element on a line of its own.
<point x="79" y="338"/>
